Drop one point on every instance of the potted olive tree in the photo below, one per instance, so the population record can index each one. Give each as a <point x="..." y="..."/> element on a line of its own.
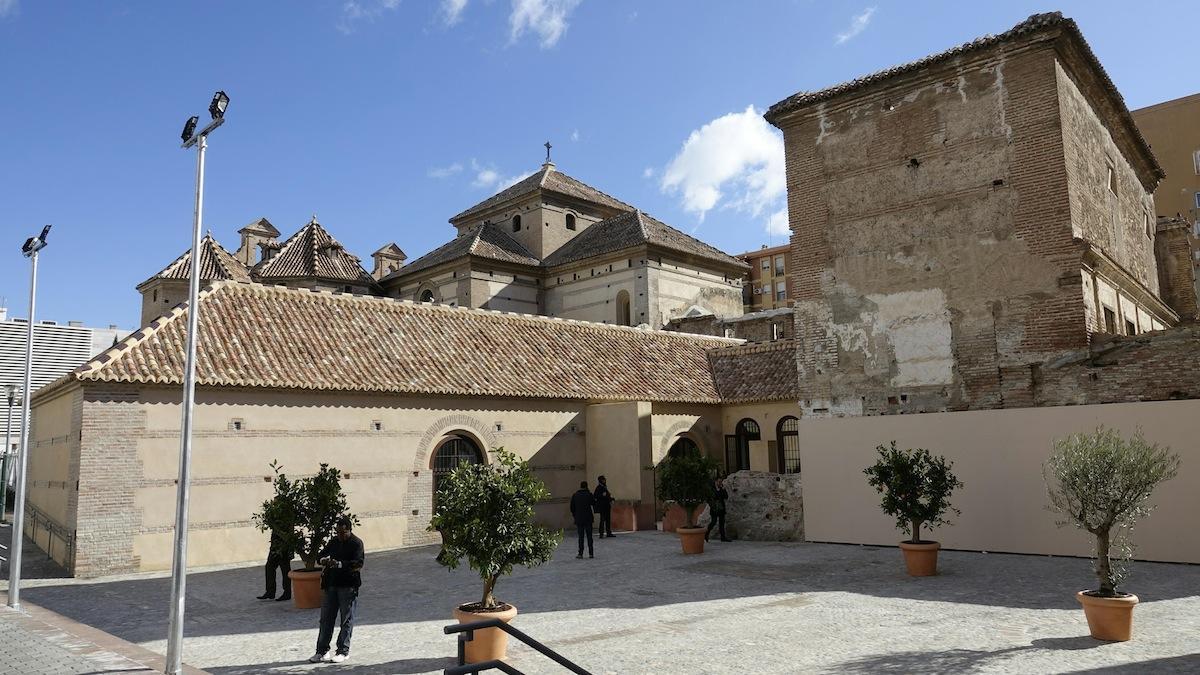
<point x="1101" y="483"/>
<point x="485" y="514"/>
<point x="687" y="480"/>
<point x="302" y="514"/>
<point x="916" y="488"/>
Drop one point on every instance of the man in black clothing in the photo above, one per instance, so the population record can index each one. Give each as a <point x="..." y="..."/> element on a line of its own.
<point x="603" y="500"/>
<point x="581" y="509"/>
<point x="716" y="509"/>
<point x="342" y="558"/>
<point x="279" y="557"/>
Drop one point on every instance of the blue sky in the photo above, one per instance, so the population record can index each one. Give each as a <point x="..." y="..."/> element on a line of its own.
<point x="386" y="117"/>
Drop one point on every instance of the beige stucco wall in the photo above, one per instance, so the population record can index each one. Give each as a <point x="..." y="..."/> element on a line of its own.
<point x="588" y="292"/>
<point x="675" y="287"/>
<point x="763" y="451"/>
<point x="53" y="459"/>
<point x="998" y="455"/>
<point x="618" y="438"/>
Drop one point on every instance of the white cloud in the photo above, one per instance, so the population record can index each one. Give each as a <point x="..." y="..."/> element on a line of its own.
<point x="361" y="10"/>
<point x="857" y="25"/>
<point x="452" y="10"/>
<point x="9" y="8"/>
<point x="547" y="18"/>
<point x="734" y="161"/>
<point x="648" y="172"/>
<point x="777" y="224"/>
<point x="489" y="177"/>
<point x="445" y="171"/>
<point x="575" y="136"/>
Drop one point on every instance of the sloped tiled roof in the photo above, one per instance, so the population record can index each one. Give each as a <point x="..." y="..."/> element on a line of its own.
<point x="216" y="264"/>
<point x="261" y="226"/>
<point x="263" y="336"/>
<point x="487" y="240"/>
<point x="632" y="229"/>
<point x="551" y="180"/>
<point x="1034" y="23"/>
<point x="756" y="372"/>
<point x="393" y="250"/>
<point x="312" y="253"/>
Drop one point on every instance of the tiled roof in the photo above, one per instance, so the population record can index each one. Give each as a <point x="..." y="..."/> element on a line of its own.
<point x="756" y="372"/>
<point x="312" y="253"/>
<point x="487" y="240"/>
<point x="551" y="180"/>
<point x="1034" y="23"/>
<point x="261" y="226"/>
<point x="391" y="249"/>
<point x="633" y="229"/>
<point x="216" y="264"/>
<point x="269" y="336"/>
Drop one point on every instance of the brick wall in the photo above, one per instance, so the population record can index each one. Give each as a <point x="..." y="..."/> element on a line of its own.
<point x="1176" y="275"/>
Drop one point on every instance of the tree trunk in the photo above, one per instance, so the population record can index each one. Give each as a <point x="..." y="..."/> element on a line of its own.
<point x="1103" y="567"/>
<point x="916" y="530"/>
<point x="691" y="515"/>
<point x="489" y="600"/>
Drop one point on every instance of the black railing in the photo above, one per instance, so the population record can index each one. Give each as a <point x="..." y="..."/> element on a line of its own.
<point x="466" y="633"/>
<point x="35" y="517"/>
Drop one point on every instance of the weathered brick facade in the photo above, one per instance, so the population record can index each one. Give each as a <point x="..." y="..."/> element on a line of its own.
<point x="765" y="326"/>
<point x="1176" y="274"/>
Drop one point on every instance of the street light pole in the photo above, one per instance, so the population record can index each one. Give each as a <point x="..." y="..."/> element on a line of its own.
<point x="30" y="250"/>
<point x="12" y="390"/>
<point x="174" y="663"/>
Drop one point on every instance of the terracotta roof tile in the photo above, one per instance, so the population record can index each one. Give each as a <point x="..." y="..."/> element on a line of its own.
<point x="632" y="229"/>
<point x="756" y="372"/>
<point x="312" y="253"/>
<point x="216" y="264"/>
<point x="487" y="240"/>
<point x="269" y="336"/>
<point x="550" y="179"/>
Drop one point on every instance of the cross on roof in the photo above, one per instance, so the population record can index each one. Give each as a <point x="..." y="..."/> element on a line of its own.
<point x="548" y="146"/>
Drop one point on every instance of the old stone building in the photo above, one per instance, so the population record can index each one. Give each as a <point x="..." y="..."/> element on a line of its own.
<point x="1010" y="217"/>
<point x="555" y="246"/>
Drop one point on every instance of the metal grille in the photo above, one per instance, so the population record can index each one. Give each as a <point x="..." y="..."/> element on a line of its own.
<point x="449" y="455"/>
<point x="789" y="445"/>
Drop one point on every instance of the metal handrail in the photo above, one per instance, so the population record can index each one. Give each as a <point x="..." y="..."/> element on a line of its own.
<point x="53" y="528"/>
<point x="467" y="633"/>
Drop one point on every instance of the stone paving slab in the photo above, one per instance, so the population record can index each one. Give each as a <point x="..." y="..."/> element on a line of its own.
<point x="643" y="607"/>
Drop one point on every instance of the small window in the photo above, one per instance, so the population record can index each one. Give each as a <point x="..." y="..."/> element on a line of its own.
<point x="426" y="295"/>
<point x="1110" y="321"/>
<point x="570" y="221"/>
<point x="516" y="223"/>
<point x="766" y="264"/>
<point x="1196" y="161"/>
<point x="1130" y="328"/>
<point x="1112" y="179"/>
<point x="1198" y="200"/>
<point x="778" y="265"/>
<point x="776" y="331"/>
<point x="781" y="290"/>
<point x="155" y="295"/>
<point x="1149" y="228"/>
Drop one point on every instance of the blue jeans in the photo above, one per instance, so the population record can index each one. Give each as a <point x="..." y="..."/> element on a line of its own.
<point x="337" y="600"/>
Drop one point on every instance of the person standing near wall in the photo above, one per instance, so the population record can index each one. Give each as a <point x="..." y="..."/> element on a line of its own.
<point x="604" y="500"/>
<point x="581" y="510"/>
<point x="716" y="509"/>
<point x="342" y="559"/>
<point x="278" y="558"/>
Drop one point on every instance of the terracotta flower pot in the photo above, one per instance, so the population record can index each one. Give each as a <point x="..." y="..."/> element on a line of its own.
<point x="692" y="539"/>
<point x="1108" y="618"/>
<point x="920" y="559"/>
<point x="306" y="588"/>
<point x="488" y="643"/>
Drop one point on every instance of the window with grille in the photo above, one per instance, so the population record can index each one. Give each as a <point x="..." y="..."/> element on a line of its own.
<point x="789" y="445"/>
<point x="455" y="451"/>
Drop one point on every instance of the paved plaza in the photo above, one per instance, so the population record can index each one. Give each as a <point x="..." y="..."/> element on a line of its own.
<point x="643" y="607"/>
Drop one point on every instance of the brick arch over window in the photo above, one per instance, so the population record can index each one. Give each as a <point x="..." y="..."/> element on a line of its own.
<point x="462" y="424"/>
<point x="673" y="433"/>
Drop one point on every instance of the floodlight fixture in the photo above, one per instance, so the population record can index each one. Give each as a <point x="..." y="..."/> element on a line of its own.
<point x="189" y="128"/>
<point x="219" y="103"/>
<point x="34" y="244"/>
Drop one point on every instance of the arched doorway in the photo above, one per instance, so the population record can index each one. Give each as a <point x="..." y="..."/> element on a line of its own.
<point x="452" y="452"/>
<point x="737" y="446"/>
<point x="623" y="314"/>
<point x="787" y="443"/>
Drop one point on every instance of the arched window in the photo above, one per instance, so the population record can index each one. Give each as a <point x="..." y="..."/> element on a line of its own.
<point x="623" y="317"/>
<point x="426" y="295"/>
<point x="737" y="446"/>
<point x="570" y="221"/>
<point x="456" y="450"/>
<point x="683" y="446"/>
<point x="788" y="445"/>
<point x="516" y="222"/>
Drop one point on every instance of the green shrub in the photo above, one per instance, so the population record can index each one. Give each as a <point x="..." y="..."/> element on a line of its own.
<point x="303" y="512"/>
<point x="485" y="514"/>
<point x="916" y="487"/>
<point x="687" y="480"/>
<point x="1101" y="483"/>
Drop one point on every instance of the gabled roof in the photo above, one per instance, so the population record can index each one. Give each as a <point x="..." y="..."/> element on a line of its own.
<point x="547" y="179"/>
<point x="216" y="264"/>
<point x="1034" y="24"/>
<point x="312" y="253"/>
<point x="630" y="229"/>
<point x="261" y="226"/>
<point x="485" y="241"/>
<point x="393" y="250"/>
<point x="262" y="336"/>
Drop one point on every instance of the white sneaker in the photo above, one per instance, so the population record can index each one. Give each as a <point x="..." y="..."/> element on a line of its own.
<point x="316" y="658"/>
<point x="338" y="658"/>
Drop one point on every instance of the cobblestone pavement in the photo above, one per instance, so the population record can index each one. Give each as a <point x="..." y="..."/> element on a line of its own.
<point x="28" y="646"/>
<point x="643" y="607"/>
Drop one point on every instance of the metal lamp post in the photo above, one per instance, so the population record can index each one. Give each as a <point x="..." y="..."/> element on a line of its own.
<point x="11" y="391"/>
<point x="174" y="663"/>
<point x="29" y="250"/>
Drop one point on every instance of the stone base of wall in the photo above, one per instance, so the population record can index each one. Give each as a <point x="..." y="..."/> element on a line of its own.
<point x="763" y="506"/>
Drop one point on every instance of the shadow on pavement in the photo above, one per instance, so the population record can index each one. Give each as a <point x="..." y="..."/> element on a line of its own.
<point x="399" y="667"/>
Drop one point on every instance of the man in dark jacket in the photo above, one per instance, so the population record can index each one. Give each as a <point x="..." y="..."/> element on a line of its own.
<point x="581" y="509"/>
<point x="603" y="500"/>
<point x="342" y="558"/>
<point x="716" y="509"/>
<point x="279" y="557"/>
